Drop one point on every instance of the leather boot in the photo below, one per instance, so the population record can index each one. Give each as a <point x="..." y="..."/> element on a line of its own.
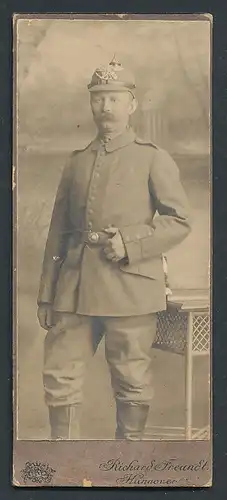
<point x="64" y="422"/>
<point x="131" y="420"/>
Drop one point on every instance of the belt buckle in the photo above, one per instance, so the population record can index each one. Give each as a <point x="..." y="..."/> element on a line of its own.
<point x="93" y="237"/>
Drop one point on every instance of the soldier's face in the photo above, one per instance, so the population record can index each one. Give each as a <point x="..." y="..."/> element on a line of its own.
<point x="111" y="110"/>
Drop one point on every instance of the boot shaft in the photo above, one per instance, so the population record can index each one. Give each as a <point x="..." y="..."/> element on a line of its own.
<point x="131" y="420"/>
<point x="64" y="422"/>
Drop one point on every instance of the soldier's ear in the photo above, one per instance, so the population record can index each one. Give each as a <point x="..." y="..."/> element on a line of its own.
<point x="133" y="105"/>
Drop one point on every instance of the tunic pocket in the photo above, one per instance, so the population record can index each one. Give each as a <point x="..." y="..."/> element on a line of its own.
<point x="152" y="269"/>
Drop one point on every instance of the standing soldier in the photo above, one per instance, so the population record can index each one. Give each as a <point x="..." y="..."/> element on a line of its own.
<point x="102" y="269"/>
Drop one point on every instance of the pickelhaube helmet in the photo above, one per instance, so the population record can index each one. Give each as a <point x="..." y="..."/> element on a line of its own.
<point x="112" y="77"/>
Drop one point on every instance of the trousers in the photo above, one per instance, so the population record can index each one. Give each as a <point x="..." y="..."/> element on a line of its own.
<point x="69" y="345"/>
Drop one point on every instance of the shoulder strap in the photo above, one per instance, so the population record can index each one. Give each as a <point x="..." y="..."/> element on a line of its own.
<point x="143" y="142"/>
<point x="79" y="150"/>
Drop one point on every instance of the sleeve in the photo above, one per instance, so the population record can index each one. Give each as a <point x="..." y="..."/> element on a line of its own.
<point x="59" y="232"/>
<point x="172" y="223"/>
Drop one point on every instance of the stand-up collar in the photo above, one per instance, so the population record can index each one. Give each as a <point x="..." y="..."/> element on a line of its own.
<point x="121" y="140"/>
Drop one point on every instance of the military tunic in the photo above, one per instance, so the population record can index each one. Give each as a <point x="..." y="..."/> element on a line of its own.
<point x="124" y="182"/>
<point x="135" y="187"/>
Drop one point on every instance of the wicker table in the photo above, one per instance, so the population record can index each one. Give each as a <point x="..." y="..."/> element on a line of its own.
<point x="184" y="328"/>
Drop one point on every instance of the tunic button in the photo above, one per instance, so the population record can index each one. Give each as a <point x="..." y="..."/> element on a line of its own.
<point x="56" y="258"/>
<point x="89" y="225"/>
<point x="90" y="211"/>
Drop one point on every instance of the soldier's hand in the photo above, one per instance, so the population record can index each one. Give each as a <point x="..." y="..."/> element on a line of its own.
<point x="114" y="248"/>
<point x="44" y="314"/>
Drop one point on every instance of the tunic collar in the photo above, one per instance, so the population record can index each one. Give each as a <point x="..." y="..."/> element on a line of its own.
<point x="121" y="140"/>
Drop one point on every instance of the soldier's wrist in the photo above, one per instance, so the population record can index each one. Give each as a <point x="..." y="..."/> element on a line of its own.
<point x="44" y="304"/>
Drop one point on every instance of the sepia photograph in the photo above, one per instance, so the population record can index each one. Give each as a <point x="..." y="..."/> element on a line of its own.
<point x="112" y="197"/>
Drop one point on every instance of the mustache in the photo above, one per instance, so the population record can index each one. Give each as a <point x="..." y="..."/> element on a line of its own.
<point x="106" y="116"/>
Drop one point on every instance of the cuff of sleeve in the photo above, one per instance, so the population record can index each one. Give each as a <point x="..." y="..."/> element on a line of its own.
<point x="133" y="237"/>
<point x="44" y="303"/>
<point x="132" y="245"/>
<point x="45" y="295"/>
<point x="133" y="250"/>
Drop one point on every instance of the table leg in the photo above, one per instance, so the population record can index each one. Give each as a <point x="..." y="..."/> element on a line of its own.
<point x="188" y="379"/>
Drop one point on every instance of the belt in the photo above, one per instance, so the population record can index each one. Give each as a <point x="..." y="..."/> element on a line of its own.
<point x="95" y="237"/>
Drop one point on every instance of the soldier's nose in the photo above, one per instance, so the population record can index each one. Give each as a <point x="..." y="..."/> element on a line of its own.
<point x="106" y="106"/>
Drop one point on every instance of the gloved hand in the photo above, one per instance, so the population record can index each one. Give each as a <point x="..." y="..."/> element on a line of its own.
<point x="44" y="315"/>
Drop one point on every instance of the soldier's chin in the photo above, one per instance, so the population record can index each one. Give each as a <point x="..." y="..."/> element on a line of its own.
<point x="107" y="125"/>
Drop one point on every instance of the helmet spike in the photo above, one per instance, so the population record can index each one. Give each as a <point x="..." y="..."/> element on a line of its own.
<point x="115" y="63"/>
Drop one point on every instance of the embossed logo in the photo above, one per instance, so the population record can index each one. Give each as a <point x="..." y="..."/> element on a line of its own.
<point x="37" y="472"/>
